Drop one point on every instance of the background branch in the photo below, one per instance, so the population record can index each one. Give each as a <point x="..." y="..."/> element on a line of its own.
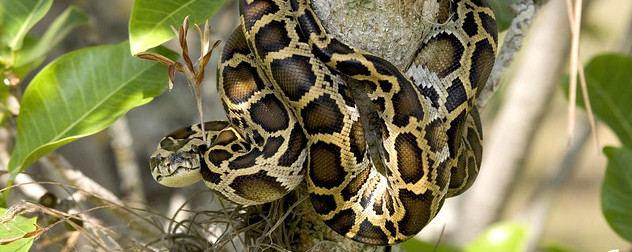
<point x="126" y="163"/>
<point x="507" y="143"/>
<point x="525" y="12"/>
<point x="538" y="209"/>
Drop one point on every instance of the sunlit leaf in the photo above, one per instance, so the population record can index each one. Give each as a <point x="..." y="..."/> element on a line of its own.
<point x="424" y="246"/>
<point x="79" y="94"/>
<point x="616" y="191"/>
<point x="501" y="237"/>
<point x="149" y="24"/>
<point x="55" y="32"/>
<point x="14" y="231"/>
<point x="553" y="246"/>
<point x="18" y="17"/>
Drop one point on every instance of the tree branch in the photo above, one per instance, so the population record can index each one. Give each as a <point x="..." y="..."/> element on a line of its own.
<point x="526" y="11"/>
<point x="528" y="93"/>
<point x="126" y="163"/>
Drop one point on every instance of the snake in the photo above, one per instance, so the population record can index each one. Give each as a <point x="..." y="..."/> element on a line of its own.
<point x="291" y="120"/>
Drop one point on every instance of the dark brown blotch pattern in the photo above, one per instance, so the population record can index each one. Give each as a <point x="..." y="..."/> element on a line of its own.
<point x="455" y="133"/>
<point x="225" y="138"/>
<point x="441" y="54"/>
<point x="325" y="166"/>
<point x="296" y="143"/>
<point x="370" y="233"/>
<point x="253" y="12"/>
<point x="469" y="25"/>
<point x="342" y="222"/>
<point x="323" y="203"/>
<point x="357" y="141"/>
<point x="382" y="66"/>
<point x="209" y="175"/>
<point x="483" y="60"/>
<point x="294" y="76"/>
<point x="435" y="135"/>
<point x="270" y="114"/>
<point x="217" y="156"/>
<point x="490" y="26"/>
<point x="409" y="158"/>
<point x="456" y="95"/>
<point x="241" y="82"/>
<point x="258" y="187"/>
<point x="407" y="105"/>
<point x="246" y="160"/>
<point x="272" y="37"/>
<point x="272" y="146"/>
<point x="352" y="68"/>
<point x="322" y="115"/>
<point x="354" y="186"/>
<point x="417" y="211"/>
<point x="236" y="44"/>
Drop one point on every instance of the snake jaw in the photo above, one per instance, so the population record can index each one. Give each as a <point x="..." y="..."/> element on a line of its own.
<point x="177" y="169"/>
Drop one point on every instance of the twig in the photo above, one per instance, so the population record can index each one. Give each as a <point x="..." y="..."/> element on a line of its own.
<point x="58" y="164"/>
<point x="229" y="221"/>
<point x="537" y="211"/>
<point x="528" y="94"/>
<point x="126" y="163"/>
<point x="525" y="11"/>
<point x="575" y="22"/>
<point x="30" y="188"/>
<point x="103" y="197"/>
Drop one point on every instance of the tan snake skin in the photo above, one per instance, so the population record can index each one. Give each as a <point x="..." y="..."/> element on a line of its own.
<point x="290" y="120"/>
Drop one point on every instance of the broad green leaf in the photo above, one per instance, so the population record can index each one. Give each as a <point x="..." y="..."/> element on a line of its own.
<point x="502" y="11"/>
<point x="58" y="30"/>
<point x="13" y="232"/>
<point x="616" y="191"/>
<point x="25" y="68"/>
<point x="18" y="17"/>
<point x="79" y="94"/>
<point x="150" y="22"/>
<point x="501" y="237"/>
<point x="415" y="244"/>
<point x="609" y="81"/>
<point x="556" y="247"/>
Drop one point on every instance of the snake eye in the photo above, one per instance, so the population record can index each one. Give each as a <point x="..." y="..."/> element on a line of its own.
<point x="155" y="160"/>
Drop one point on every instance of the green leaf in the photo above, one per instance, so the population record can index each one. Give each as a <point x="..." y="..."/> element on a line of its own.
<point x="18" y="17"/>
<point x="609" y="81"/>
<point x="422" y="246"/>
<point x="79" y="94"/>
<point x="502" y="11"/>
<point x="25" y="68"/>
<point x="616" y="191"/>
<point x="501" y="237"/>
<point x="13" y="230"/>
<point x="149" y="23"/>
<point x="555" y="247"/>
<point x="55" y="33"/>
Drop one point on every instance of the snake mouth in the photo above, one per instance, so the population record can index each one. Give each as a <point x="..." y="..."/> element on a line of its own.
<point x="175" y="169"/>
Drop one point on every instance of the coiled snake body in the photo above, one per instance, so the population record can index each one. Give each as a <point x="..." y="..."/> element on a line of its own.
<point x="290" y="120"/>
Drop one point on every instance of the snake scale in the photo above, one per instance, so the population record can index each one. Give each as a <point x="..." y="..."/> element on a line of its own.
<point x="290" y="120"/>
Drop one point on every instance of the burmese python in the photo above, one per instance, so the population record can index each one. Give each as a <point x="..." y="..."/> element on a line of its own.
<point x="290" y="120"/>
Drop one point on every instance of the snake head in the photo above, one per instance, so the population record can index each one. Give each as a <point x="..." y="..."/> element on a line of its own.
<point x="176" y="162"/>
